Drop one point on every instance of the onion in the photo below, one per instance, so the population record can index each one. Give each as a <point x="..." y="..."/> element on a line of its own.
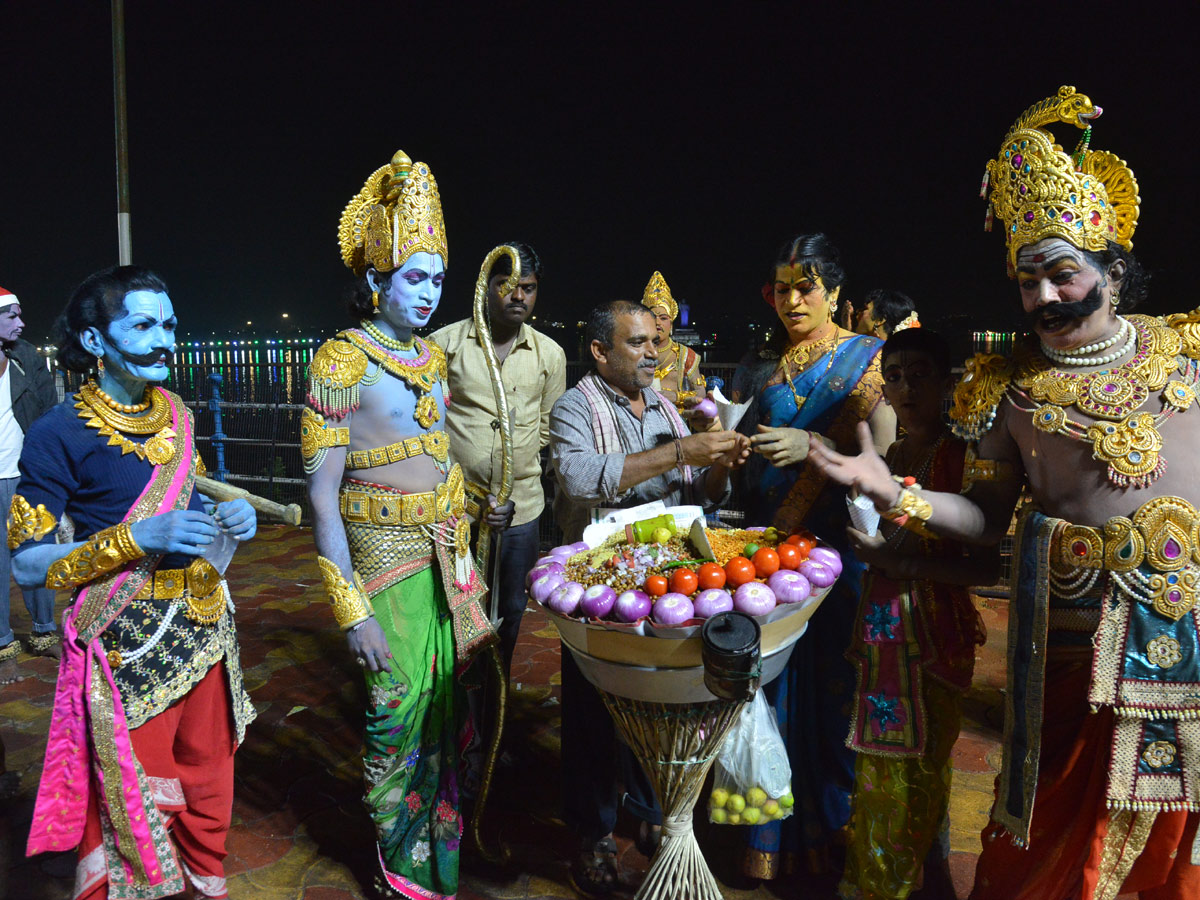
<point x="712" y="601"/>
<point x="673" y="609"/>
<point x="598" y="601"/>
<point x="563" y="553"/>
<point x="706" y="408"/>
<point x="541" y="587"/>
<point x="754" y="599"/>
<point x="579" y="547"/>
<point x="789" y="586"/>
<point x="543" y="568"/>
<point x="631" y="606"/>
<point x="565" y="598"/>
<point x="827" y="556"/>
<point x="819" y="575"/>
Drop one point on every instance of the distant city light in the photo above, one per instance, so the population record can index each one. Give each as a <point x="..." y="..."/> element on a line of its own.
<point x="285" y="315"/>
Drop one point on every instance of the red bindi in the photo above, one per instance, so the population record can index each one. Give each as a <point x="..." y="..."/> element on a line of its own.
<point x="1041" y="257"/>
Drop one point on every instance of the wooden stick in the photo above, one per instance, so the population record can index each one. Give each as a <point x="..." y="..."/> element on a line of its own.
<point x="269" y="509"/>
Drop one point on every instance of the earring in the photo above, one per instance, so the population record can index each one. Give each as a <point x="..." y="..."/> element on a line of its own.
<point x="1116" y="298"/>
<point x="375" y="300"/>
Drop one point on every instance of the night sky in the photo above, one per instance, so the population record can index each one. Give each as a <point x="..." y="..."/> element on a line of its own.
<point x="615" y="139"/>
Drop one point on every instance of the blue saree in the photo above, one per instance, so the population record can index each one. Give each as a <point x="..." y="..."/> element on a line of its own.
<point x="812" y="698"/>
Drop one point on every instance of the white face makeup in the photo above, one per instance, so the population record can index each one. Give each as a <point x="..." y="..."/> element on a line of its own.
<point x="412" y="293"/>
<point x="11" y="324"/>
<point x="1054" y="272"/>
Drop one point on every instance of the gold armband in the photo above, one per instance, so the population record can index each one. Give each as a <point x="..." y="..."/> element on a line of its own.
<point x="316" y="438"/>
<point x="105" y="551"/>
<point x="349" y="601"/>
<point x="26" y="523"/>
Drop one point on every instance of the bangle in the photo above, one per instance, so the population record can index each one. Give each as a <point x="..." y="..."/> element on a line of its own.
<point x="678" y="454"/>
<point x="105" y="551"/>
<point x="910" y="510"/>
<point x="349" y="600"/>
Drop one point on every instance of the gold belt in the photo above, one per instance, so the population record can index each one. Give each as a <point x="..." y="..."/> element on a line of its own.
<point x="372" y="504"/>
<point x="1164" y="533"/>
<point x="199" y="583"/>
<point x="434" y="443"/>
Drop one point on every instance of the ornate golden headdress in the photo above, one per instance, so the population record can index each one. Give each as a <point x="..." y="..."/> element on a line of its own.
<point x="397" y="213"/>
<point x="658" y="294"/>
<point x="1038" y="191"/>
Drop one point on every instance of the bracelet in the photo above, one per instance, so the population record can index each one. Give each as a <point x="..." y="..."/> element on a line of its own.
<point x="105" y="551"/>
<point x="910" y="510"/>
<point x="678" y="454"/>
<point x="349" y="600"/>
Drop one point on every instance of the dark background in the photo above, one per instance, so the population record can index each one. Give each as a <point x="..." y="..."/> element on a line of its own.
<point x="617" y="139"/>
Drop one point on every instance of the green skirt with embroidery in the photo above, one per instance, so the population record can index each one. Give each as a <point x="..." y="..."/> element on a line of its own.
<point x="414" y="721"/>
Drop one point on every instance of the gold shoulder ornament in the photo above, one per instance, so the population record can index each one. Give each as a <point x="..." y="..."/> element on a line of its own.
<point x="333" y="378"/>
<point x="316" y="438"/>
<point x="977" y="396"/>
<point x="26" y="523"/>
<point x="421" y="372"/>
<point x="1187" y="326"/>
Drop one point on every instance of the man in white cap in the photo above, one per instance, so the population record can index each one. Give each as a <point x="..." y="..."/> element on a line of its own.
<point x="26" y="391"/>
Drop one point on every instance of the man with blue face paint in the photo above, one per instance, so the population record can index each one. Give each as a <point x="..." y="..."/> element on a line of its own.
<point x="149" y="706"/>
<point x="390" y="524"/>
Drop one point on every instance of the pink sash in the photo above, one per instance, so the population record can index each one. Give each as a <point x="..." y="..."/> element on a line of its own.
<point x="88" y="731"/>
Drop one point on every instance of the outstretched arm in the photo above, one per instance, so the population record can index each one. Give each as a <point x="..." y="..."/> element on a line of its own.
<point x="980" y="518"/>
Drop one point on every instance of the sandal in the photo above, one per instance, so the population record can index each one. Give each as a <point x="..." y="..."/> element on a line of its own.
<point x="11" y="650"/>
<point x="593" y="873"/>
<point x="648" y="838"/>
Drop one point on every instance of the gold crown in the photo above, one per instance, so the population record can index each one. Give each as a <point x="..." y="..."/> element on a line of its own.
<point x="1087" y="198"/>
<point x="397" y="213"/>
<point x="658" y="294"/>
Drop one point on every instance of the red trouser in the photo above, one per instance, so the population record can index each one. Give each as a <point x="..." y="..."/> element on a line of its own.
<point x="1070" y="818"/>
<point x="186" y="752"/>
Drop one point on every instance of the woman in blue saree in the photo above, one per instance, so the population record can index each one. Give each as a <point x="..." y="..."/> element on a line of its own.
<point x="816" y="382"/>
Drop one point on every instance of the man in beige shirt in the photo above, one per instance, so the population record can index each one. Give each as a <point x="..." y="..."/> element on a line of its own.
<point x="533" y="369"/>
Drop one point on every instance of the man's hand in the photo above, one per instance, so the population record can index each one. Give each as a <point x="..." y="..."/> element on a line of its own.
<point x="867" y="473"/>
<point x="369" y="646"/>
<point x="783" y="446"/>
<point x="499" y="517"/>
<point x="870" y="548"/>
<point x="237" y="518"/>
<point x="707" y="447"/>
<point x="186" y="531"/>
<point x="736" y="458"/>
<point x="697" y="421"/>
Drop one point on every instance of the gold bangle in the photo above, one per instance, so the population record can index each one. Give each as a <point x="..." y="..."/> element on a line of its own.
<point x="26" y="523"/>
<point x="910" y="505"/>
<point x="105" y="551"/>
<point x="349" y="600"/>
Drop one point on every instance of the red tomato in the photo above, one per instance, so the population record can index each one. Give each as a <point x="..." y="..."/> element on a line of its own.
<point x="766" y="562"/>
<point x="792" y="539"/>
<point x="804" y="545"/>
<point x="684" y="581"/>
<point x="789" y="556"/>
<point x="655" y="586"/>
<point x="711" y="576"/>
<point x="738" y="571"/>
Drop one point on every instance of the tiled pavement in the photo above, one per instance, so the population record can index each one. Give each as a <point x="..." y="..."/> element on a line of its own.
<point x="299" y="830"/>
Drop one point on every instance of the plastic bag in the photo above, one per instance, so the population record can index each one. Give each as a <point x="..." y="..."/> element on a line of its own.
<point x="752" y="778"/>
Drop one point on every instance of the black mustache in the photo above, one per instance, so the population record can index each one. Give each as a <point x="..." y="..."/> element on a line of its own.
<point x="148" y="359"/>
<point x="1077" y="309"/>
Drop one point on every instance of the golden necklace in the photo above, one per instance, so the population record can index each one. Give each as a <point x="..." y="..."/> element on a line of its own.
<point x="663" y="371"/>
<point x="122" y="407"/>
<point x="1127" y="440"/>
<point x="421" y="373"/>
<point x="109" y="423"/>
<point x="801" y="356"/>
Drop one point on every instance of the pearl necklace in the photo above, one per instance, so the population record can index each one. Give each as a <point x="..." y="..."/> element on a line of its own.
<point x="390" y="342"/>
<point x="1080" y="357"/>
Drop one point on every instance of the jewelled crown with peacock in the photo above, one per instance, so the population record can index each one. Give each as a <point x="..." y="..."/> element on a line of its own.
<point x="1087" y="197"/>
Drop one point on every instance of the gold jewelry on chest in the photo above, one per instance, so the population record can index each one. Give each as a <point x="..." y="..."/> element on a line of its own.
<point x="663" y="371"/>
<point x="1127" y="440"/>
<point x="800" y="357"/>
<point x="108" y="422"/>
<point x="422" y="372"/>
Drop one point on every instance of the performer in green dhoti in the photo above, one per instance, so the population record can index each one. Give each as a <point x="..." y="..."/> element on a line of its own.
<point x="390" y="526"/>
